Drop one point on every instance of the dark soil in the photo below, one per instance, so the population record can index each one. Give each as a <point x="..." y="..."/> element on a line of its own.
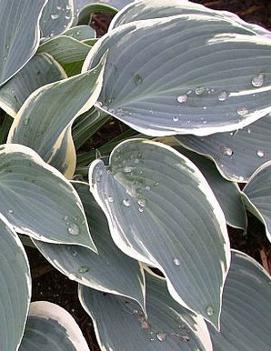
<point x="50" y="285"/>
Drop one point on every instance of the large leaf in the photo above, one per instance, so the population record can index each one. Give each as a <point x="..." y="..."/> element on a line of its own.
<point x="67" y="51"/>
<point x="42" y="69"/>
<point x="15" y="292"/>
<point x="257" y="195"/>
<point x="38" y="201"/>
<point x="162" y="211"/>
<point x="237" y="154"/>
<point x="120" y="325"/>
<point x="147" y="9"/>
<point x="246" y="308"/>
<point x="196" y="74"/>
<point x="111" y="270"/>
<point x="56" y="17"/>
<point x="85" y="13"/>
<point x="19" y="23"/>
<point x="227" y="193"/>
<point x="117" y="4"/>
<point x="49" y="112"/>
<point x="50" y="327"/>
<point x="80" y="33"/>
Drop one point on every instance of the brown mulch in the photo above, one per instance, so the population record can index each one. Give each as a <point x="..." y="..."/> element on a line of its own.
<point x="50" y="285"/>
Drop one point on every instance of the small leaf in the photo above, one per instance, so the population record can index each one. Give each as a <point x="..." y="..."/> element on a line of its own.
<point x="47" y="115"/>
<point x="257" y="195"/>
<point x="19" y="27"/>
<point x="227" y="193"/>
<point x="42" y="69"/>
<point x="165" y="214"/>
<point x="111" y="270"/>
<point x="15" y="292"/>
<point x="237" y="154"/>
<point x="246" y="309"/>
<point x="57" y="16"/>
<point x="120" y="325"/>
<point x="196" y="74"/>
<point x="68" y="52"/>
<point x="38" y="201"/>
<point x="50" y="327"/>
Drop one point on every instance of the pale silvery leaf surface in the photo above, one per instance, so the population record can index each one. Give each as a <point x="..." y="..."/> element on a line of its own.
<point x="38" y="201"/>
<point x="80" y="33"/>
<point x="196" y="74"/>
<point x="19" y="21"/>
<point x="162" y="211"/>
<point x="50" y="327"/>
<point x="15" y="291"/>
<point x="111" y="270"/>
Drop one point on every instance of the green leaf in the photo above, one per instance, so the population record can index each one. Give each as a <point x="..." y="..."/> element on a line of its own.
<point x="42" y="69"/>
<point x="148" y="9"/>
<point x="237" y="154"/>
<point x="38" y="200"/>
<point x="50" y="327"/>
<point x="162" y="211"/>
<point x="227" y="193"/>
<point x="67" y="51"/>
<point x="109" y="271"/>
<point x="57" y="16"/>
<point x="47" y="115"/>
<point x="257" y="195"/>
<point x="19" y="27"/>
<point x="85" y="12"/>
<point x="15" y="292"/>
<point x="246" y="309"/>
<point x="196" y="74"/>
<point x="120" y="325"/>
<point x="81" y="33"/>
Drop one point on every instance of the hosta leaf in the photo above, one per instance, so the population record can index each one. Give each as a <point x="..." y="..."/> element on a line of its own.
<point x="196" y="74"/>
<point x="42" y="69"/>
<point x="119" y="325"/>
<point x="246" y="309"/>
<point x="56" y="17"/>
<point x="162" y="211"/>
<point x="80" y="32"/>
<point x="147" y="9"/>
<point x="109" y="271"/>
<point x="19" y="34"/>
<point x="49" y="112"/>
<point x="117" y="4"/>
<point x="237" y="154"/>
<point x="69" y="52"/>
<point x="227" y="193"/>
<point x="15" y="292"/>
<point x="50" y="327"/>
<point x="85" y="13"/>
<point x="257" y="195"/>
<point x="38" y="201"/>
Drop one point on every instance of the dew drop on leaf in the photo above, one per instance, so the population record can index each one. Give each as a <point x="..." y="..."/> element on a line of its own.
<point x="260" y="153"/>
<point x="73" y="229"/>
<point x="161" y="336"/>
<point x="83" y="269"/>
<point x="110" y="198"/>
<point x="10" y="211"/>
<point x="258" y="80"/>
<point x="210" y="310"/>
<point x="176" y="261"/>
<point x="200" y="90"/>
<point x="140" y="209"/>
<point x="126" y="203"/>
<point x="175" y="119"/>
<point x="182" y="98"/>
<point x="54" y="16"/>
<point x="242" y="111"/>
<point x="141" y="202"/>
<point x="223" y="96"/>
<point x="127" y="169"/>
<point x="228" y="151"/>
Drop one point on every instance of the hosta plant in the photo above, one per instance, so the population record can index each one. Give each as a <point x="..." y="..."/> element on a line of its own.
<point x="141" y="223"/>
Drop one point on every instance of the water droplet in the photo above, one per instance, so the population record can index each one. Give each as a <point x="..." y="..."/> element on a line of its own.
<point x="148" y="188"/>
<point x="182" y="99"/>
<point x="199" y="91"/>
<point x="59" y="7"/>
<point x="258" y="80"/>
<point x="66" y="218"/>
<point x="126" y="203"/>
<point x="228" y="151"/>
<point x="127" y="169"/>
<point x="196" y="349"/>
<point x="54" y="16"/>
<point x="99" y="176"/>
<point x="249" y="131"/>
<point x="141" y="209"/>
<point x="175" y="118"/>
<point x="83" y="269"/>
<point x="10" y="211"/>
<point x="136" y="160"/>
<point x="73" y="229"/>
<point x="25" y="121"/>
<point x="161" y="336"/>
<point x="176" y="261"/>
<point x="138" y="79"/>
<point x="67" y="16"/>
<point x="223" y="96"/>
<point x="260" y="153"/>
<point x="110" y="198"/>
<point x="141" y="202"/>
<point x="242" y="111"/>
<point x="68" y="7"/>
<point x="210" y="310"/>
<point x="74" y="253"/>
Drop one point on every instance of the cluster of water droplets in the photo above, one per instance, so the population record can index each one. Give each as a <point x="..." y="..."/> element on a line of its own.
<point x="65" y="11"/>
<point x="72" y="227"/>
